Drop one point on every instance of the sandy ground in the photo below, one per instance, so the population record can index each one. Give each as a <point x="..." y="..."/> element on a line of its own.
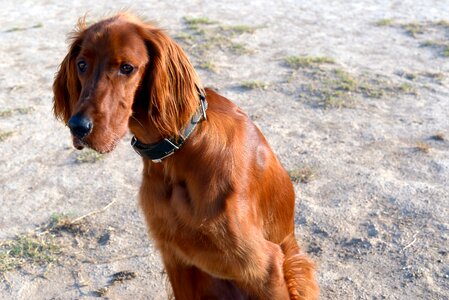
<point x="367" y="132"/>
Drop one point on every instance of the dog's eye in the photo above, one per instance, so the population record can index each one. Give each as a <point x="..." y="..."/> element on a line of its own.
<point x="82" y="66"/>
<point x="126" y="69"/>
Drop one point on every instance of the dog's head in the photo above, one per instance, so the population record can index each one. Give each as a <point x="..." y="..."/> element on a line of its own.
<point x="119" y="67"/>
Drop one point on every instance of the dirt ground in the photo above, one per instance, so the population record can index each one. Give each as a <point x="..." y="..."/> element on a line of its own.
<point x="352" y="95"/>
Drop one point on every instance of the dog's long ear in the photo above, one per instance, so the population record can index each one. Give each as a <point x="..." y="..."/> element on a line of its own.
<point x="66" y="86"/>
<point x="172" y="83"/>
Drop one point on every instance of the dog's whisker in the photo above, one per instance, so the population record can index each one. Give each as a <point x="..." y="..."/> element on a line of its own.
<point x="138" y="122"/>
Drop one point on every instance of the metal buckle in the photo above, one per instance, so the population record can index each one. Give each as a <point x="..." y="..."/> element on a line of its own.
<point x="203" y="109"/>
<point x="171" y="143"/>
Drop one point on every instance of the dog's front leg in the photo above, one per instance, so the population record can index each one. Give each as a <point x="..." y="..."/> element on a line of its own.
<point x="190" y="283"/>
<point x="231" y="246"/>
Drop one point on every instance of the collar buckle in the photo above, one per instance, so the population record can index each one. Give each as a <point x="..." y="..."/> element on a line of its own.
<point x="203" y="105"/>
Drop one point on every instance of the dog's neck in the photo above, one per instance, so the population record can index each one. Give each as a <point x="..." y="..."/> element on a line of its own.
<point x="167" y="146"/>
<point x="146" y="132"/>
<point x="143" y="128"/>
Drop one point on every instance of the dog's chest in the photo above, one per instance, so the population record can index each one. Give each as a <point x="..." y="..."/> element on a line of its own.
<point x="168" y="209"/>
<point x="175" y="223"/>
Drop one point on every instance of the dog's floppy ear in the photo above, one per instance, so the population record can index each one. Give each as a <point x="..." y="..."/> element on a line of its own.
<point x="66" y="86"/>
<point x="172" y="83"/>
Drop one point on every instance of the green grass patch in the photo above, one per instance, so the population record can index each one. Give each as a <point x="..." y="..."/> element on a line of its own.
<point x="443" y="46"/>
<point x="252" y="84"/>
<point x="198" y="21"/>
<point x="334" y="87"/>
<point x="4" y="135"/>
<point x="445" y="51"/>
<point x="15" y="29"/>
<point x="24" y="110"/>
<point x="337" y="99"/>
<point x="204" y="36"/>
<point x="338" y="90"/>
<point x="238" y="29"/>
<point x="443" y="23"/>
<point x="239" y="48"/>
<point x="433" y="75"/>
<point x="89" y="156"/>
<point x="6" y="113"/>
<point x="406" y="88"/>
<point x="371" y="91"/>
<point x="384" y="22"/>
<point x="208" y="65"/>
<point x="60" y="222"/>
<point x="296" y="62"/>
<point x="431" y="44"/>
<point x="25" y="249"/>
<point x="344" y="81"/>
<point x="330" y="86"/>
<point x="41" y="246"/>
<point x="10" y="112"/>
<point x="185" y="37"/>
<point x="413" y="29"/>
<point x="303" y="175"/>
<point x="438" y="30"/>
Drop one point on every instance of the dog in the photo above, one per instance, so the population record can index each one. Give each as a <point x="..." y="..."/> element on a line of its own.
<point x="217" y="201"/>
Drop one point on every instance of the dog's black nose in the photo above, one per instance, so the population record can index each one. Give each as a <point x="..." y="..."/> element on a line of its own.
<point x="80" y="126"/>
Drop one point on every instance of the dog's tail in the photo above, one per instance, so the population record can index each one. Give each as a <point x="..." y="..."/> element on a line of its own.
<point x="299" y="271"/>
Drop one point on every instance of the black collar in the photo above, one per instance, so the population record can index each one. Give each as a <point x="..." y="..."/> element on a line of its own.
<point x="158" y="151"/>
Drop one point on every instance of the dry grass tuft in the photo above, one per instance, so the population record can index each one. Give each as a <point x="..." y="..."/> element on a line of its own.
<point x="303" y="175"/>
<point x="101" y="292"/>
<point x="27" y="249"/>
<point x="344" y="81"/>
<point x="198" y="21"/>
<point x="339" y="90"/>
<point x="11" y="112"/>
<point x="438" y="137"/>
<point x="253" y="84"/>
<point x="296" y="62"/>
<point x="422" y="147"/>
<point x="89" y="156"/>
<point x="43" y="246"/>
<point x="413" y="29"/>
<point x="204" y="36"/>
<point x="384" y="22"/>
<point x="122" y="276"/>
<point x="63" y="223"/>
<point x="4" y="135"/>
<point x="443" y="23"/>
<point x="15" y="29"/>
<point x="208" y="65"/>
<point x="238" y="29"/>
<point x="332" y="86"/>
<point x="434" y="75"/>
<point x="407" y="88"/>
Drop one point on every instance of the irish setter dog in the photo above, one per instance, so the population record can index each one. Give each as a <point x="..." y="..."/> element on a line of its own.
<point x="217" y="201"/>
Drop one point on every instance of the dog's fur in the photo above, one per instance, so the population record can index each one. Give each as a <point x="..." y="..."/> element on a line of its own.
<point x="221" y="209"/>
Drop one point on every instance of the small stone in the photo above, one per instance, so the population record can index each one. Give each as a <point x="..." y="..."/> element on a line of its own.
<point x="372" y="231"/>
<point x="104" y="238"/>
